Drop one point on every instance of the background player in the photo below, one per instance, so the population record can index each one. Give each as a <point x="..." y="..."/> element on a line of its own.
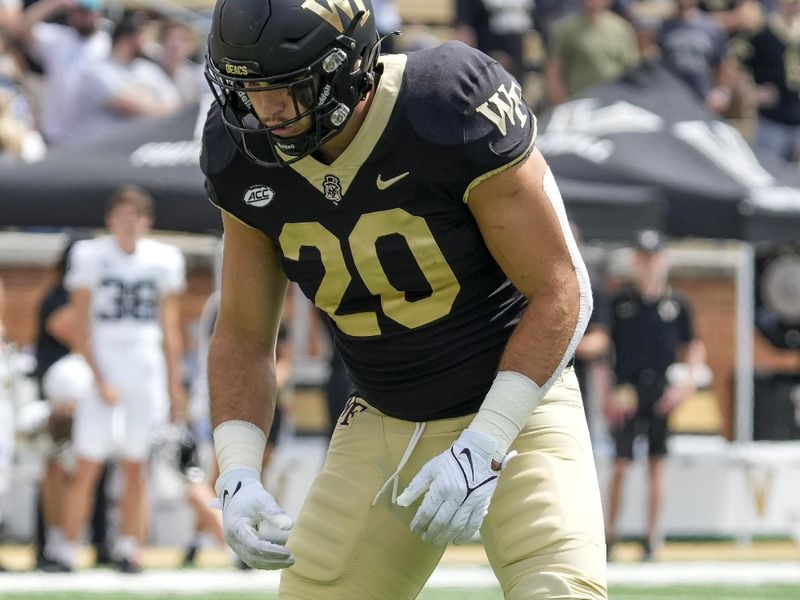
<point x="125" y="290"/>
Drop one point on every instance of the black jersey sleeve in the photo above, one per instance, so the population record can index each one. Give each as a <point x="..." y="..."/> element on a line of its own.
<point x="217" y="153"/>
<point x="466" y="101"/>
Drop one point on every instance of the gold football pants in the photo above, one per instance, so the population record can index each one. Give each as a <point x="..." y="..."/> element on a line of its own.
<point x="543" y="534"/>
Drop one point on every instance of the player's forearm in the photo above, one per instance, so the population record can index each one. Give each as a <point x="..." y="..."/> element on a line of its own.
<point x="241" y="378"/>
<point x="548" y="326"/>
<point x="534" y="356"/>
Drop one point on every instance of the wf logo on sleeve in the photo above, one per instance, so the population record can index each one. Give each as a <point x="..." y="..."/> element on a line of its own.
<point x="504" y="106"/>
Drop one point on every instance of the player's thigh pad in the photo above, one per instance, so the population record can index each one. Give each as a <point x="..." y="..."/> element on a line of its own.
<point x="345" y="548"/>
<point x="544" y="531"/>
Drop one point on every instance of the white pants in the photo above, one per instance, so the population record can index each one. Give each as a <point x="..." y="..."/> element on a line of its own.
<point x="100" y="431"/>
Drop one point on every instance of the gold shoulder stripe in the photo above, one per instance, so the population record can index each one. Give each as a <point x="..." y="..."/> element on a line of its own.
<point x="475" y="182"/>
<point x="346" y="167"/>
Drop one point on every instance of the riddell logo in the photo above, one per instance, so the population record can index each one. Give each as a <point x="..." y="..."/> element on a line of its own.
<point x="258" y="195"/>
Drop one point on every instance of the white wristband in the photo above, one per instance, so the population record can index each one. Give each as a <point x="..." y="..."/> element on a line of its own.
<point x="506" y="408"/>
<point x="239" y="444"/>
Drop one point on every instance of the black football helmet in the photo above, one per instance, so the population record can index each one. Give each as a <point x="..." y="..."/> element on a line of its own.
<point x="322" y="51"/>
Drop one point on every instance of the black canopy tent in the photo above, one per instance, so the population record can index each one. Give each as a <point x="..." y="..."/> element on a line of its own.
<point x="71" y="185"/>
<point x="647" y="129"/>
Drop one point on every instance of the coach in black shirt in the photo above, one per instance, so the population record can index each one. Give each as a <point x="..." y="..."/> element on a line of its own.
<point x="651" y="328"/>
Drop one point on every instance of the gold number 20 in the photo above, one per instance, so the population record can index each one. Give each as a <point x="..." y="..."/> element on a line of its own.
<point x="363" y="246"/>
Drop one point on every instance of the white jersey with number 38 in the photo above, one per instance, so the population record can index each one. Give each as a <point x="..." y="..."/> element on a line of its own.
<point x="126" y="288"/>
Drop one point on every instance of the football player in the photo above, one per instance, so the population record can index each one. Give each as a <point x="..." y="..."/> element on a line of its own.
<point x="405" y="196"/>
<point x="125" y="290"/>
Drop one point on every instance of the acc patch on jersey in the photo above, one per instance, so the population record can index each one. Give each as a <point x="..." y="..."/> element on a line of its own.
<point x="258" y="195"/>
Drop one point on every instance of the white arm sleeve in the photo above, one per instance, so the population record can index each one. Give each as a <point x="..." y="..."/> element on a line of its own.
<point x="554" y="195"/>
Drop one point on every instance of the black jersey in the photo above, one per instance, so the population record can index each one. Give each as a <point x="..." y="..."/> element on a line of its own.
<point x="773" y="57"/>
<point x="648" y="335"/>
<point x="382" y="239"/>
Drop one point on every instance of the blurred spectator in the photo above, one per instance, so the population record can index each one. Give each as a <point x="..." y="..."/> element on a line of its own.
<point x="123" y="86"/>
<point x="548" y="12"/>
<point x="772" y="55"/>
<point x="695" y="49"/>
<point x="497" y="28"/>
<point x="62" y="51"/>
<point x="737" y="15"/>
<point x="588" y="48"/>
<point x="125" y="288"/>
<point x="19" y="138"/>
<point x="651" y="328"/>
<point x="178" y="46"/>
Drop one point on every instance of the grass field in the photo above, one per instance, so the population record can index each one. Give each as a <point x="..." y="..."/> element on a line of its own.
<point x="690" y="571"/>
<point x="767" y="592"/>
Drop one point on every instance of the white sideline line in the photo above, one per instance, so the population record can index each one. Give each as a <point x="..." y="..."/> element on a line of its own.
<point x="212" y="580"/>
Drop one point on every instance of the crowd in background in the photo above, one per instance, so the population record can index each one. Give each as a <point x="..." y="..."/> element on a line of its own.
<point x="73" y="69"/>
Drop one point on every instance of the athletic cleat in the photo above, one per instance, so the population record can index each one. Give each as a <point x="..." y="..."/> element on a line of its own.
<point x="126" y="565"/>
<point x="189" y="555"/>
<point x="51" y="565"/>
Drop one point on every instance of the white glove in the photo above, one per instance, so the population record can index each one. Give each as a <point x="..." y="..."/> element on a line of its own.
<point x="247" y="506"/>
<point x="460" y="483"/>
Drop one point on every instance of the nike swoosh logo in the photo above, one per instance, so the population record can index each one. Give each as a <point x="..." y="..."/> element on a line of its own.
<point x="226" y="495"/>
<point x="475" y="486"/>
<point x="383" y="184"/>
<point x="468" y="454"/>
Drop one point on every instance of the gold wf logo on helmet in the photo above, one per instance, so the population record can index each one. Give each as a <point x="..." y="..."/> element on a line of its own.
<point x="327" y="10"/>
<point x="240" y="70"/>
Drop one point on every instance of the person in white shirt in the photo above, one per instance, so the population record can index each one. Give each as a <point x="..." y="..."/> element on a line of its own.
<point x="125" y="289"/>
<point x="62" y="51"/>
<point x="114" y="90"/>
<point x="178" y="44"/>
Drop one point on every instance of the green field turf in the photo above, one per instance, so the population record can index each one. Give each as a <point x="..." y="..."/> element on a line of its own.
<point x="766" y="592"/>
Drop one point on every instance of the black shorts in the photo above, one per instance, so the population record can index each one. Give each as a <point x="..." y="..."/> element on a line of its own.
<point x="644" y="422"/>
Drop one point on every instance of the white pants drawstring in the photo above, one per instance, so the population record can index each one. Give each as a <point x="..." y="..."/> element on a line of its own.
<point x="419" y="428"/>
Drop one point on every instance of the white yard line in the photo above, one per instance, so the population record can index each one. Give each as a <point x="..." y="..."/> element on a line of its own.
<point x="212" y="580"/>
